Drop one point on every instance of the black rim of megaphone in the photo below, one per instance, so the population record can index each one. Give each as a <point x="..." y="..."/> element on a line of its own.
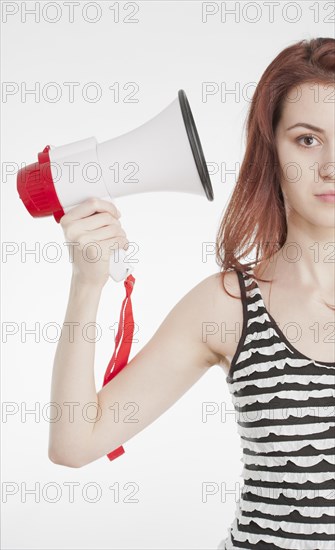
<point x="195" y="143"/>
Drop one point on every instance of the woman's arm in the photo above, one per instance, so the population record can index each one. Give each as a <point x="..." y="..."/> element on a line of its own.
<point x="164" y="369"/>
<point x="73" y="384"/>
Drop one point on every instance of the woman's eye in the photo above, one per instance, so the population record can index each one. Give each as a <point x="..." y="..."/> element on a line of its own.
<point x="307" y="141"/>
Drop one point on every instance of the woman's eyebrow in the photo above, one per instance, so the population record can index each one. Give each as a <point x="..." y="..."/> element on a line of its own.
<point x="306" y="125"/>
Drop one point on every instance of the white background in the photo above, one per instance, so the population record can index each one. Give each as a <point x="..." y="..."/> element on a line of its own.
<point x="172" y="46"/>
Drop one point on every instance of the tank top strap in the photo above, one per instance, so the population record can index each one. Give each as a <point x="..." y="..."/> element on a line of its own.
<point x="252" y="299"/>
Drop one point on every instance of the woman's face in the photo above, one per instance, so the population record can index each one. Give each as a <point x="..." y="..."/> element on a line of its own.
<point x="307" y="155"/>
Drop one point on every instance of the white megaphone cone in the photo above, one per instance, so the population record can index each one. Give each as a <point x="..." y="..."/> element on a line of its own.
<point x="164" y="154"/>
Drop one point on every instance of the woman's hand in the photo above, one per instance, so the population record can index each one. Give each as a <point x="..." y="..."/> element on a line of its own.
<point x="94" y="231"/>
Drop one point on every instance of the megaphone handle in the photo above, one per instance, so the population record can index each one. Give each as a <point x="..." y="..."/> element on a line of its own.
<point x="118" y="268"/>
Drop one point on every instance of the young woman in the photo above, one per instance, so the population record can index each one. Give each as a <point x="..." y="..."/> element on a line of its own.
<point x="282" y="381"/>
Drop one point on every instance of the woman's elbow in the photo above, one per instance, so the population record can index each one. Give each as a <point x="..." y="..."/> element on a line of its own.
<point x="62" y="461"/>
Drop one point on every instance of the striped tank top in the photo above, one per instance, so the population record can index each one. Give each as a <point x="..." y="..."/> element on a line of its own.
<point x="285" y="405"/>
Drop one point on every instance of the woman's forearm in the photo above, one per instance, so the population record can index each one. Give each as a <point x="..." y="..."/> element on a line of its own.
<point x="73" y="392"/>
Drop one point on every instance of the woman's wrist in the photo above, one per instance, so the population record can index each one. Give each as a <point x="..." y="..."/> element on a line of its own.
<point x="83" y="284"/>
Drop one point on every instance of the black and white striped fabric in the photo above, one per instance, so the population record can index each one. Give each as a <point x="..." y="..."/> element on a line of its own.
<point x="285" y="404"/>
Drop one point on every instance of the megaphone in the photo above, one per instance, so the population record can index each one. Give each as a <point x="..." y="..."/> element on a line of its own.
<point x="164" y="154"/>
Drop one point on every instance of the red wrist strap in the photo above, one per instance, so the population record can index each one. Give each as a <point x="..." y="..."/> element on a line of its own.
<point x="120" y="357"/>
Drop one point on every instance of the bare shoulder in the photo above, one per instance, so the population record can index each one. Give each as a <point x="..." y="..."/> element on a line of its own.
<point x="230" y="281"/>
<point x="221" y="314"/>
<point x="212" y="292"/>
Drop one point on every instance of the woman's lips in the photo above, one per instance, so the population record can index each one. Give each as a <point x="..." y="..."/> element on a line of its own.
<point x="326" y="198"/>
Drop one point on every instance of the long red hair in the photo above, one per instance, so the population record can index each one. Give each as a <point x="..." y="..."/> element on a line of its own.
<point x="255" y="218"/>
